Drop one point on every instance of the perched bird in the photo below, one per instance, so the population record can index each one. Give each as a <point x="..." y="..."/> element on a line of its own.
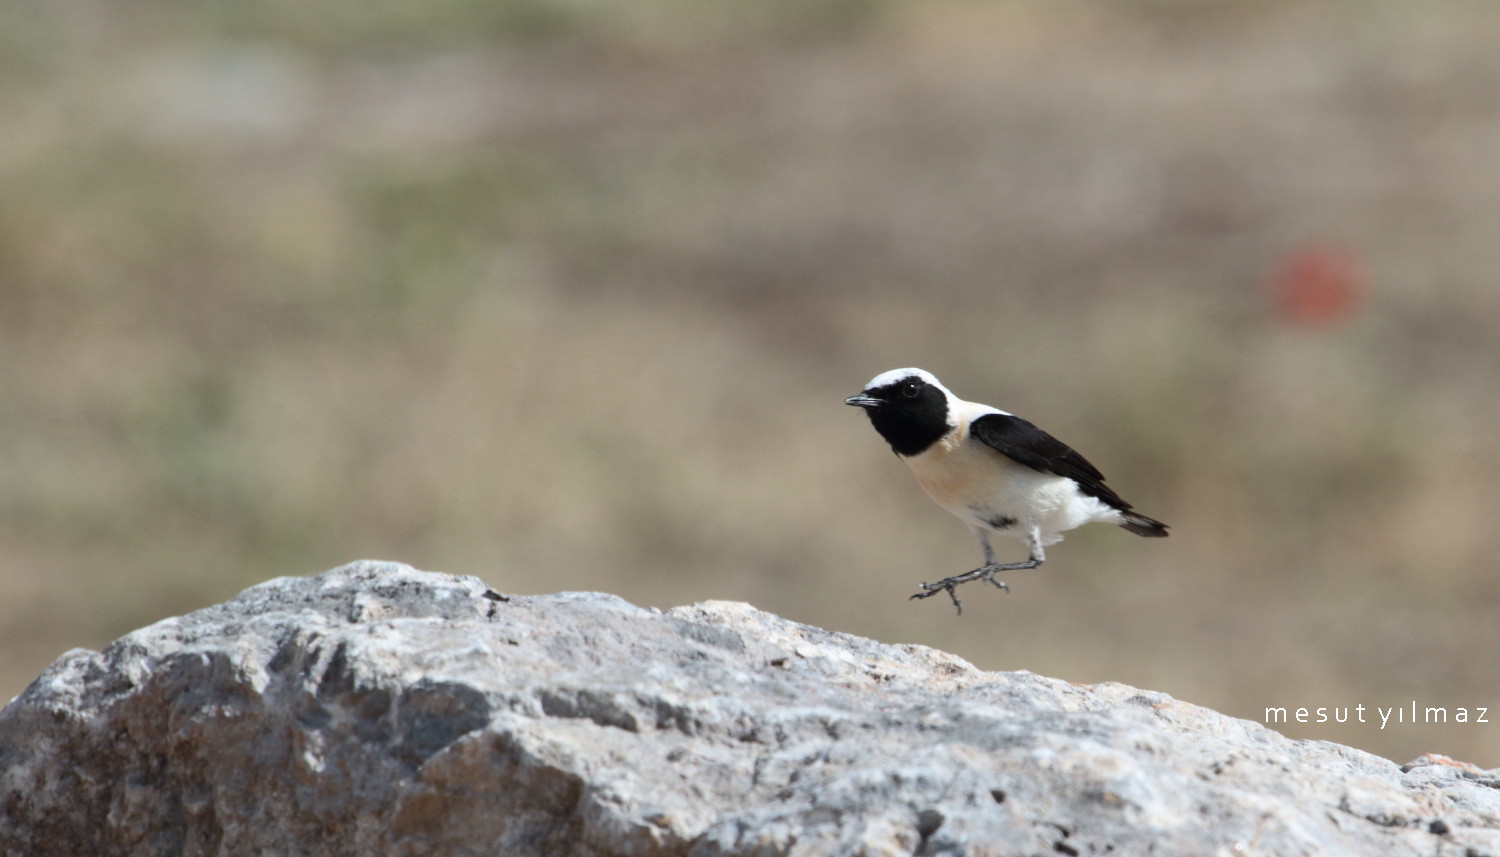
<point x="997" y="472"/>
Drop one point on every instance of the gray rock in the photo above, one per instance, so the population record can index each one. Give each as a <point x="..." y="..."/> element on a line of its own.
<point x="376" y="709"/>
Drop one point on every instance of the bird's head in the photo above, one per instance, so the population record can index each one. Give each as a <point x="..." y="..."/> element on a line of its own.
<point x="909" y="407"/>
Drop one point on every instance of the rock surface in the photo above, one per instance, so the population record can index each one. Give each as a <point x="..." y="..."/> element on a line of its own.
<point x="376" y="709"/>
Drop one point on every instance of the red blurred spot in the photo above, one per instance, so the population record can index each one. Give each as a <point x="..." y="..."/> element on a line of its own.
<point x="1318" y="285"/>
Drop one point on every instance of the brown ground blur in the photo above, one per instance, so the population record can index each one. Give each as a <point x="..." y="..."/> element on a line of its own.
<point x="567" y="295"/>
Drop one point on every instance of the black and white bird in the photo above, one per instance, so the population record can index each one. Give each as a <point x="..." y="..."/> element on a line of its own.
<point x="995" y="471"/>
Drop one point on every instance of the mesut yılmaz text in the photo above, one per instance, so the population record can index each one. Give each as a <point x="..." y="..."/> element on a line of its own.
<point x="1395" y="715"/>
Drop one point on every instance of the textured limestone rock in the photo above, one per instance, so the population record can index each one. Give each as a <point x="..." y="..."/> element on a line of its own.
<point x="375" y="709"/>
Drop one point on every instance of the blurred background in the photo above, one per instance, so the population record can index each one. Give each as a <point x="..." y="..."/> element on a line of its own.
<point x="567" y="295"/>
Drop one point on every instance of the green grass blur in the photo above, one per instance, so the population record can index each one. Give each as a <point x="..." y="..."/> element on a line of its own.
<point x="567" y="295"/>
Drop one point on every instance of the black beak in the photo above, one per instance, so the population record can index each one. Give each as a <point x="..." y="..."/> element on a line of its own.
<point x="863" y="401"/>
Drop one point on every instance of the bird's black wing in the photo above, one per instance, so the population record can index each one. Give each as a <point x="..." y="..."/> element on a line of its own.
<point x="1023" y="442"/>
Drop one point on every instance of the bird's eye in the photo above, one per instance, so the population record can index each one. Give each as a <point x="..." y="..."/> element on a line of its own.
<point x="910" y="389"/>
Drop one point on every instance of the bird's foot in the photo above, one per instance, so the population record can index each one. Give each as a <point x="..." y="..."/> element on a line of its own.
<point x="986" y="572"/>
<point x="931" y="589"/>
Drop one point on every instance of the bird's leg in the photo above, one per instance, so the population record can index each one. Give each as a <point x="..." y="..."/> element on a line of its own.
<point x="986" y="571"/>
<point x="984" y="542"/>
<point x="989" y="561"/>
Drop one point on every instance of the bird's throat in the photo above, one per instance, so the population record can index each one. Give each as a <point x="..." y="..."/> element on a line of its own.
<point x="906" y="433"/>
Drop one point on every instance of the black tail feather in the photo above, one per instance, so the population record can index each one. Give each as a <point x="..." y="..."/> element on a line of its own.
<point x="1144" y="526"/>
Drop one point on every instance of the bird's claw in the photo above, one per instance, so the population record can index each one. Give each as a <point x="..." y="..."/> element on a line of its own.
<point x="950" y="585"/>
<point x="931" y="589"/>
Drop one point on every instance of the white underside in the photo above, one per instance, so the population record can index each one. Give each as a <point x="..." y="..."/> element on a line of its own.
<point x="980" y="486"/>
